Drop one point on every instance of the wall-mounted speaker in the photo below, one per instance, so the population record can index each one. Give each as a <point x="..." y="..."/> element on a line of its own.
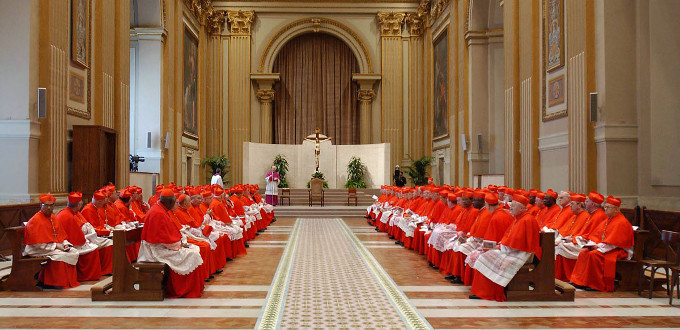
<point x="148" y="139"/>
<point x="463" y="142"/>
<point x="42" y="102"/>
<point x="593" y="107"/>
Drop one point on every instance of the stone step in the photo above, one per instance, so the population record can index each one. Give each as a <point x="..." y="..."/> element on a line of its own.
<point x="318" y="211"/>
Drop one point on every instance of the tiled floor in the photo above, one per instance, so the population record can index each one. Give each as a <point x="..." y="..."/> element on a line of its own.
<point x="332" y="273"/>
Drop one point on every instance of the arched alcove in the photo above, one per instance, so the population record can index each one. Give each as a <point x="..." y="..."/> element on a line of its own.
<point x="315" y="90"/>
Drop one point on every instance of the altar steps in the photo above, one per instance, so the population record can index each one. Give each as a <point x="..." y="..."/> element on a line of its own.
<point x="304" y="211"/>
<point x="333" y="197"/>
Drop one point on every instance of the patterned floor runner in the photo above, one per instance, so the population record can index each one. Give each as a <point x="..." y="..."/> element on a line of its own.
<point x="327" y="278"/>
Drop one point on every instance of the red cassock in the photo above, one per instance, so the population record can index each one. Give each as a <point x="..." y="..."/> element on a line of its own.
<point x="138" y="211"/>
<point x="97" y="218"/>
<point x="522" y="235"/>
<point x="224" y="248"/>
<point x="564" y="266"/>
<point x="89" y="265"/>
<point x="204" y="247"/>
<point x="41" y="229"/>
<point x="548" y="216"/>
<point x="562" y="218"/>
<point x="159" y="229"/>
<point x="478" y="229"/>
<point x="595" y="269"/>
<point x="454" y="262"/>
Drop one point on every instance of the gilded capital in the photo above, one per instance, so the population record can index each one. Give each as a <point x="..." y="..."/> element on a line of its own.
<point x="416" y="22"/>
<point x="216" y="22"/>
<point x="365" y="95"/>
<point x="390" y="23"/>
<point x="436" y="8"/>
<point x="265" y="95"/>
<point x="240" y="21"/>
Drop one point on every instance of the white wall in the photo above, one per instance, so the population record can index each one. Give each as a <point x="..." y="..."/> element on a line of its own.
<point x="18" y="87"/>
<point x="333" y="160"/>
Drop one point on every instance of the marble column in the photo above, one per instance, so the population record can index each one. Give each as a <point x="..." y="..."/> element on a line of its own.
<point x="239" y="88"/>
<point x="392" y="70"/>
<point x="215" y="24"/>
<point x="365" y="97"/>
<point x="416" y="84"/>
<point x="266" y="96"/>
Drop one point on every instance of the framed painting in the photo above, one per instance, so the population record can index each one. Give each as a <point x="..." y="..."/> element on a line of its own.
<point x="554" y="33"/>
<point x="80" y="21"/>
<point x="440" y="54"/>
<point x="76" y="87"/>
<point x="556" y="91"/>
<point x="190" y="80"/>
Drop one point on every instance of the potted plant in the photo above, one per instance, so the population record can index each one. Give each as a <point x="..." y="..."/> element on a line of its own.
<point x="418" y="170"/>
<point x="355" y="173"/>
<point x="282" y="167"/>
<point x="215" y="162"/>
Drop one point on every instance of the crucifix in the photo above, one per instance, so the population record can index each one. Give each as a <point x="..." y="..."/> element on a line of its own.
<point x="317" y="138"/>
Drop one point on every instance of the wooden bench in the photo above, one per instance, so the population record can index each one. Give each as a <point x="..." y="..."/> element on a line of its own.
<point x="24" y="269"/>
<point x="148" y="276"/>
<point x="538" y="283"/>
<point x="628" y="271"/>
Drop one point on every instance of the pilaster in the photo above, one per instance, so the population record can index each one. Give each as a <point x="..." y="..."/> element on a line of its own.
<point x="239" y="87"/>
<point x="392" y="99"/>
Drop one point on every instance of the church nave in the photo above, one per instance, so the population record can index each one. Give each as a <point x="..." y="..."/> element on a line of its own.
<point x="331" y="273"/>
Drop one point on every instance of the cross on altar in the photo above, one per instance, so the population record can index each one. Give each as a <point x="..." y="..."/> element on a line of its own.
<point x="317" y="138"/>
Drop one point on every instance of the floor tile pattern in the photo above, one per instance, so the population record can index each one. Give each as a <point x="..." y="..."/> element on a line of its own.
<point x="331" y="286"/>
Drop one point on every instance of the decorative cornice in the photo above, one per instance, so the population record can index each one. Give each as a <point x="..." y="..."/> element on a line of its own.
<point x="390" y="23"/>
<point x="366" y="95"/>
<point x="201" y="9"/>
<point x="265" y="95"/>
<point x="216" y="22"/>
<point x="436" y="8"/>
<point x="240" y="21"/>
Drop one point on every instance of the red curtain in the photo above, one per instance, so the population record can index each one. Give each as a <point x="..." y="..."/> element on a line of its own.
<point x="316" y="90"/>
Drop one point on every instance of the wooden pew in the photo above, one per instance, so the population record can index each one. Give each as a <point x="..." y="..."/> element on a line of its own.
<point x="538" y="283"/>
<point x="24" y="269"/>
<point x="628" y="271"/>
<point x="149" y="276"/>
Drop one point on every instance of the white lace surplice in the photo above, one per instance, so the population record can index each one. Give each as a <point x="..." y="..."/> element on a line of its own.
<point x="500" y="266"/>
<point x="182" y="261"/>
<point x="49" y="250"/>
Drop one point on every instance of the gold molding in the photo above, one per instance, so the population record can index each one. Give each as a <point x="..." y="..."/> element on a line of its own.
<point x="390" y="23"/>
<point x="416" y="22"/>
<point x="316" y="22"/>
<point x="85" y="114"/>
<point x="201" y="9"/>
<point x="437" y="8"/>
<point x="365" y="95"/>
<point x="216" y="21"/>
<point x="240" y="21"/>
<point x="265" y="95"/>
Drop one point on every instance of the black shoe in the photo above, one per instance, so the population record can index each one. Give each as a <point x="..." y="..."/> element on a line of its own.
<point x="257" y="234"/>
<point x="246" y="244"/>
<point x="391" y="237"/>
<point x="473" y="297"/>
<point x="219" y="271"/>
<point x="456" y="280"/>
<point x="449" y="277"/>
<point x="229" y="259"/>
<point x="435" y="268"/>
<point x="396" y="242"/>
<point x="400" y="243"/>
<point x="376" y="229"/>
<point x="211" y="277"/>
<point x="44" y="286"/>
<point x="431" y="264"/>
<point x="273" y="220"/>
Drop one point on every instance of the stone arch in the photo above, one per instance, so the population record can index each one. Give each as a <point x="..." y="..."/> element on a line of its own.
<point x="315" y="25"/>
<point x="146" y="13"/>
